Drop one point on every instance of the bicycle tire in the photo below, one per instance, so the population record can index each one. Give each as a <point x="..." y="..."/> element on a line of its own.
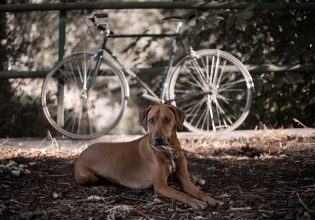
<point x="78" y="114"/>
<point x="213" y="88"/>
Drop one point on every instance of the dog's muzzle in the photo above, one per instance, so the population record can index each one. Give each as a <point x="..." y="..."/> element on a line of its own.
<point x="159" y="140"/>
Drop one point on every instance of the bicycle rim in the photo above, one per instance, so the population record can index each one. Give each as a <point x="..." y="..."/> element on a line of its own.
<point x="76" y="112"/>
<point x="213" y="88"/>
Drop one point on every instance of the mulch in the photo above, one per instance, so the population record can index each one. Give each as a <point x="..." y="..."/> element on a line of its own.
<point x="256" y="178"/>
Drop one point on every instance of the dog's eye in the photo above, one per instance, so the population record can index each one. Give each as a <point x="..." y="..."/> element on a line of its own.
<point x="167" y="119"/>
<point x="151" y="120"/>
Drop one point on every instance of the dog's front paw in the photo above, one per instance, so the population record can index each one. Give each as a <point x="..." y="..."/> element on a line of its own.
<point x="197" y="204"/>
<point x="211" y="201"/>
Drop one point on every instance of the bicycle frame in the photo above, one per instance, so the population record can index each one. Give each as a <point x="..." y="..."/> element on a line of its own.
<point x="148" y="93"/>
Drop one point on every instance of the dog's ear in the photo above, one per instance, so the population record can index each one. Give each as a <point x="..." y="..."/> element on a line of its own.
<point x="179" y="116"/>
<point x="143" y="117"/>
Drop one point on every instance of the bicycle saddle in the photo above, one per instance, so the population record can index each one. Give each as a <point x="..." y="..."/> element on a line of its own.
<point x="183" y="18"/>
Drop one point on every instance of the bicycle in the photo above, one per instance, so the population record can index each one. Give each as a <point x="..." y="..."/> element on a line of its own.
<point x="85" y="95"/>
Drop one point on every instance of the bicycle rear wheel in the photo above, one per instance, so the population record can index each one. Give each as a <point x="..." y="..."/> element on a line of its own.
<point x="213" y="88"/>
<point x="77" y="112"/>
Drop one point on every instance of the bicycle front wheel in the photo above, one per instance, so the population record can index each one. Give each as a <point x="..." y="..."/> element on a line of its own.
<point x="78" y="112"/>
<point x="213" y="88"/>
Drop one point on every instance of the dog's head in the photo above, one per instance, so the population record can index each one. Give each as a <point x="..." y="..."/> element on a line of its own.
<point x="161" y="121"/>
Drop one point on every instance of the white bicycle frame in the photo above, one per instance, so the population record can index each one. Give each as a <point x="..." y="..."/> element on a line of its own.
<point x="148" y="93"/>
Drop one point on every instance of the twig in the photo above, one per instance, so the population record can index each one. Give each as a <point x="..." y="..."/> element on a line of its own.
<point x="141" y="213"/>
<point x="40" y="144"/>
<point x="134" y="199"/>
<point x="303" y="204"/>
<point x="21" y="203"/>
<point x="239" y="217"/>
<point x="57" y="175"/>
<point x="300" y="123"/>
<point x="5" y="141"/>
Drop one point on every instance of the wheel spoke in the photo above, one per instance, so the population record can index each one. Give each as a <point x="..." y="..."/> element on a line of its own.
<point x="191" y="92"/>
<point x="224" y="98"/>
<point x="212" y="70"/>
<point x="201" y="116"/>
<point x="223" y="113"/>
<point x="196" y="109"/>
<point x="221" y="73"/>
<point x="216" y="68"/>
<point x="189" y="82"/>
<point x="72" y="75"/>
<point x="71" y="123"/>
<point x="209" y="104"/>
<point x="189" y="106"/>
<point x="206" y="67"/>
<point x="196" y="80"/>
<point x="66" y="76"/>
<point x="200" y="76"/>
<point x="228" y="85"/>
<point x="206" y="120"/>
<point x="231" y="90"/>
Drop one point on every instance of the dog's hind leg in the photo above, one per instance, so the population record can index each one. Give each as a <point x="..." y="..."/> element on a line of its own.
<point x="83" y="175"/>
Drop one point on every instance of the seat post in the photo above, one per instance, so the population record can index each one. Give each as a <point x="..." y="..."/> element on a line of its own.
<point x="105" y="35"/>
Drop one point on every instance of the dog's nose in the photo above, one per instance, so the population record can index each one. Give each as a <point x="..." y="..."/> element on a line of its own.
<point x="159" y="141"/>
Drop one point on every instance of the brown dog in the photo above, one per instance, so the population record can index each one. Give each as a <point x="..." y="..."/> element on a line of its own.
<point x="144" y="162"/>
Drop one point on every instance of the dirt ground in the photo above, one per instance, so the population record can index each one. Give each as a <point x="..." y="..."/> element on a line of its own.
<point x="253" y="178"/>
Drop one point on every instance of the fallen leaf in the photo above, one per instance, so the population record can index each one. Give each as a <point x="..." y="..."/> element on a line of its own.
<point x="10" y="163"/>
<point x="55" y="195"/>
<point x="16" y="172"/>
<point x="32" y="163"/>
<point x="93" y="197"/>
<point x="157" y="200"/>
<point x="22" y="166"/>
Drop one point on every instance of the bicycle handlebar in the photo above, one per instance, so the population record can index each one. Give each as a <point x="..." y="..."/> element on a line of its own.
<point x="183" y="18"/>
<point x="93" y="19"/>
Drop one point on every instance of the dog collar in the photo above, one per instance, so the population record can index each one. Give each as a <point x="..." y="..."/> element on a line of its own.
<point x="170" y="153"/>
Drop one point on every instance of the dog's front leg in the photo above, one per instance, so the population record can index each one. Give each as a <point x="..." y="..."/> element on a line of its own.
<point x="182" y="174"/>
<point x="161" y="188"/>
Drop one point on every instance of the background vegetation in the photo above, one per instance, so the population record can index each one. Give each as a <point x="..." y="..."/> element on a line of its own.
<point x="29" y="41"/>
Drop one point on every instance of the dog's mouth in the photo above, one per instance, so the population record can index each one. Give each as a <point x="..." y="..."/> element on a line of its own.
<point x="165" y="149"/>
<point x="160" y="142"/>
